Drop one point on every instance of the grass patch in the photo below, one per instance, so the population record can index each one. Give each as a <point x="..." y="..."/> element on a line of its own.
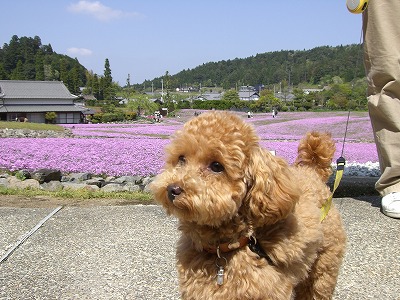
<point x="78" y="194"/>
<point x="30" y="126"/>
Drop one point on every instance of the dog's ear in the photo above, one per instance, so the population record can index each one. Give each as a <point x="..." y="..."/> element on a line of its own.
<point x="272" y="190"/>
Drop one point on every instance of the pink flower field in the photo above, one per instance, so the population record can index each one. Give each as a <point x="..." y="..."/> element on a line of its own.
<point x="137" y="149"/>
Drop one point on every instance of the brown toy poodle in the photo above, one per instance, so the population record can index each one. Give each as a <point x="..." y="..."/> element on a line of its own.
<point x="250" y="223"/>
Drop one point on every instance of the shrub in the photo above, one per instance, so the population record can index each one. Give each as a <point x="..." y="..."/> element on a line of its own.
<point x="112" y="117"/>
<point x="50" y="117"/>
<point x="97" y="118"/>
<point x="22" y="175"/>
<point x="184" y="104"/>
<point x="307" y="105"/>
<point x="131" y="116"/>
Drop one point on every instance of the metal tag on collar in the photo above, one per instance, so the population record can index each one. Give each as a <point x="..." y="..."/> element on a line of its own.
<point x="220" y="263"/>
<point x="220" y="275"/>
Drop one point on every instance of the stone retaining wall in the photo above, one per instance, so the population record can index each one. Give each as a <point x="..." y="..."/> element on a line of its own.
<point x="54" y="180"/>
<point x="27" y="133"/>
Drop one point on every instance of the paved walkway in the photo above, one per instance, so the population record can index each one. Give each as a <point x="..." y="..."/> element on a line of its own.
<point x="127" y="252"/>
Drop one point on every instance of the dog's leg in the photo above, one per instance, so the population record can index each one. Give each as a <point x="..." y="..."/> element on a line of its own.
<point x="323" y="275"/>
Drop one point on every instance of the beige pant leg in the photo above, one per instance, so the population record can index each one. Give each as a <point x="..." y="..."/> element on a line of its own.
<point x="381" y="28"/>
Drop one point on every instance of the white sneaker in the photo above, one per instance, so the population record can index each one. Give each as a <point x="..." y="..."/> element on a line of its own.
<point x="391" y="205"/>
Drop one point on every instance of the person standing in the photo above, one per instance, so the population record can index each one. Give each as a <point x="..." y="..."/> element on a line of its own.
<point x="381" y="31"/>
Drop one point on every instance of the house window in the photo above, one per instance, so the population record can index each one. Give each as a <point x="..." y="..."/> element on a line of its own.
<point x="68" y="118"/>
<point x="19" y="117"/>
<point x="36" y="117"/>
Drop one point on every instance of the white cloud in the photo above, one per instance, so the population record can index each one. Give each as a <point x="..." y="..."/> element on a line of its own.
<point x="99" y="11"/>
<point x="79" y="51"/>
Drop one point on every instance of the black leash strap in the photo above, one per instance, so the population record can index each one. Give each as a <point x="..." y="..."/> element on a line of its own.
<point x="257" y="249"/>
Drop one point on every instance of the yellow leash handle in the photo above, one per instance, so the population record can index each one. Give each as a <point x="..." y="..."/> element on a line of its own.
<point x="356" y="6"/>
<point x="340" y="163"/>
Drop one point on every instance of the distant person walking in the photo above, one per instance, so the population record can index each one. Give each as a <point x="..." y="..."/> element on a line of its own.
<point x="274" y="113"/>
<point x="381" y="28"/>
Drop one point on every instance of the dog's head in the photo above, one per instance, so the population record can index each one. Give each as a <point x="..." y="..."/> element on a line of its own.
<point x="216" y="169"/>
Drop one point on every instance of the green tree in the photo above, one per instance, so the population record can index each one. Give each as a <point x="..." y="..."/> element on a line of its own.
<point x="358" y="93"/>
<point x="63" y="71"/>
<point x="337" y="101"/>
<point x="29" y="70"/>
<point x="88" y="90"/>
<point x="74" y="81"/>
<point x="96" y="87"/>
<point x="167" y="81"/>
<point x="18" y="73"/>
<point x="231" y="95"/>
<point x="108" y="89"/>
<point x="107" y="72"/>
<point x="266" y="102"/>
<point x="3" y="73"/>
<point x="12" y="54"/>
<point x="39" y="62"/>
<point x="50" y="73"/>
<point x="47" y="49"/>
<point x="128" y="90"/>
<point x="166" y="95"/>
<point x="39" y="66"/>
<point x="142" y="104"/>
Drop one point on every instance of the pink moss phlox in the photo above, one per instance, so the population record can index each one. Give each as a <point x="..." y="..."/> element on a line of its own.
<point x="138" y="149"/>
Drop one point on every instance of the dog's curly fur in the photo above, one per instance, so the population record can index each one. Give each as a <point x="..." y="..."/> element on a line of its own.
<point x="222" y="186"/>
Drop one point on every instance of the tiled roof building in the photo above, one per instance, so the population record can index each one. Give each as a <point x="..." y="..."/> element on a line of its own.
<point x="21" y="99"/>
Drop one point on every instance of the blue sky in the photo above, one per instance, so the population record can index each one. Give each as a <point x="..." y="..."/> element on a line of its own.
<point x="146" y="38"/>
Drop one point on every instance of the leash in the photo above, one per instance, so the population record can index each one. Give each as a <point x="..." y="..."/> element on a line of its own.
<point x="257" y="249"/>
<point x="340" y="163"/>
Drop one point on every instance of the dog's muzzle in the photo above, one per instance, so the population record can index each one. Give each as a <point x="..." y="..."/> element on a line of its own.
<point x="173" y="191"/>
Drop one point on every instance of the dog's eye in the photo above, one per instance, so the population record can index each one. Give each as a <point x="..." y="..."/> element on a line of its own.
<point x="216" y="167"/>
<point x="182" y="159"/>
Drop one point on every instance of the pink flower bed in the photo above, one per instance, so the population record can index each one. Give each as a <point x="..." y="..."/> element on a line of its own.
<point x="137" y="149"/>
<point x="111" y="156"/>
<point x="123" y="130"/>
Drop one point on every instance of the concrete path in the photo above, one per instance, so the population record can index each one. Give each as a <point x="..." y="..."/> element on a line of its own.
<point x="127" y="252"/>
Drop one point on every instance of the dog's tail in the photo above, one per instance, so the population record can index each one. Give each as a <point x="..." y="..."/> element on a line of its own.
<point x="316" y="151"/>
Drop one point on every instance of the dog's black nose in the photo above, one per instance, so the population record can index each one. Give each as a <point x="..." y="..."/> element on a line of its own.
<point x="173" y="191"/>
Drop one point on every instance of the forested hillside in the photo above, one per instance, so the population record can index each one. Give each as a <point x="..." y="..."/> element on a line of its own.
<point x="294" y="67"/>
<point x="26" y="58"/>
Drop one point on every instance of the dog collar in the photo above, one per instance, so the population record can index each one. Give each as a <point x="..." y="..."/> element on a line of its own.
<point x="221" y="261"/>
<point x="228" y="247"/>
<point x="243" y="241"/>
